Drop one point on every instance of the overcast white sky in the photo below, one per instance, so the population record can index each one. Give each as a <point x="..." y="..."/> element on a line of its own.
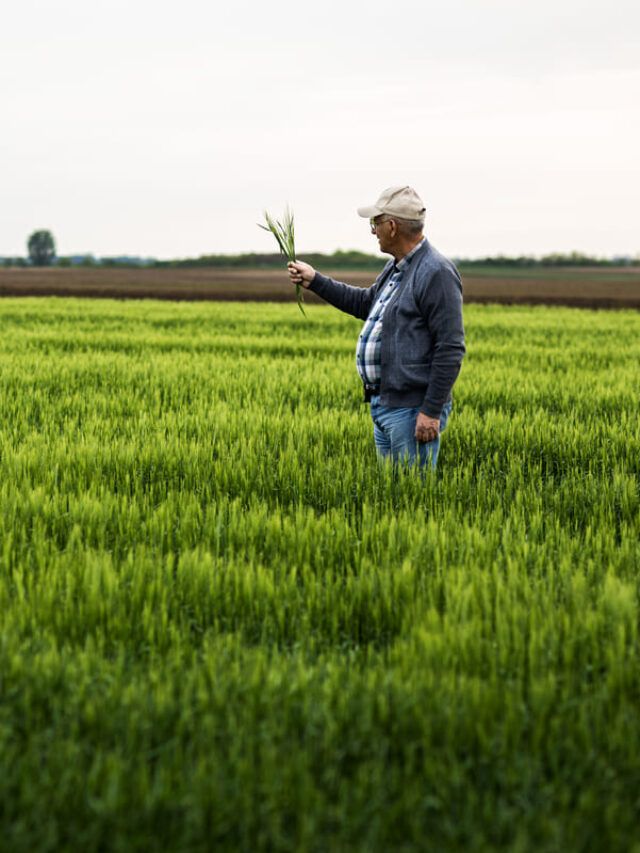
<point x="165" y="129"/>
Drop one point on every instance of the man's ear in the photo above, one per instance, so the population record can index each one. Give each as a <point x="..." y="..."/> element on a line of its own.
<point x="394" y="228"/>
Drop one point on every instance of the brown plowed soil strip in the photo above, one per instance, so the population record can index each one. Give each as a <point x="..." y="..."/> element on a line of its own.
<point x="588" y="288"/>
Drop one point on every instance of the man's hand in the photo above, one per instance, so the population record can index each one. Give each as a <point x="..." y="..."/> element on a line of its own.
<point x="300" y="273"/>
<point x="427" y="429"/>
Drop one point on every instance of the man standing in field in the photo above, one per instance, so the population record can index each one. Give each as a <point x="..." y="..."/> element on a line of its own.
<point x="412" y="343"/>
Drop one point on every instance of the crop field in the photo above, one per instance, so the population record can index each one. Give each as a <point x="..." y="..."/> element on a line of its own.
<point x="225" y="626"/>
<point x="588" y="287"/>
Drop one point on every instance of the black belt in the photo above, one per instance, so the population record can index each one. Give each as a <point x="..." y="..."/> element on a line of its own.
<point x="369" y="391"/>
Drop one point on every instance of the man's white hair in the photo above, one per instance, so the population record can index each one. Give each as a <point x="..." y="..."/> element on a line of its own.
<point x="409" y="227"/>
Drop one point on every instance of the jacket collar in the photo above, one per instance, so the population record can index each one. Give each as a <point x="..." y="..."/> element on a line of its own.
<point x="418" y="251"/>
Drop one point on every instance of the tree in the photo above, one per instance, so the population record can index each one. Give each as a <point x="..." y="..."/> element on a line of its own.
<point x="42" y="248"/>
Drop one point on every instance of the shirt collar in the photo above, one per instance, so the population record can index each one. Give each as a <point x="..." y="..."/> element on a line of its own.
<point x="403" y="263"/>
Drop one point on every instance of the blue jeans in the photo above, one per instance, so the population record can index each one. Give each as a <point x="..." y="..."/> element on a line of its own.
<point x="394" y="433"/>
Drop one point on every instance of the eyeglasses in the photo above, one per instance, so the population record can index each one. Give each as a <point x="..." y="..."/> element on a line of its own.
<point x="373" y="224"/>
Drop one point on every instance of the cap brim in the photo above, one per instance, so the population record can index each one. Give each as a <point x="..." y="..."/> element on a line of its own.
<point x="369" y="212"/>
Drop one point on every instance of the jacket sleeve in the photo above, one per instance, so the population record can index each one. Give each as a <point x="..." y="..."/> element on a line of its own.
<point x="352" y="300"/>
<point x="441" y="305"/>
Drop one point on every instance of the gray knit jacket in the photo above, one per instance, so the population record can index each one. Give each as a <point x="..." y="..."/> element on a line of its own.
<point x="422" y="341"/>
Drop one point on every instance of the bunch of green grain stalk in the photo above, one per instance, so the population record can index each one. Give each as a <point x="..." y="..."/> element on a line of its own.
<point x="284" y="232"/>
<point x="224" y="626"/>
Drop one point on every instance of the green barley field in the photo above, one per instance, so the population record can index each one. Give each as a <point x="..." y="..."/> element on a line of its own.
<point x="224" y="626"/>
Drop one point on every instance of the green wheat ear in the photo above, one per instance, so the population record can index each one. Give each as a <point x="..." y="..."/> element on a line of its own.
<point x="284" y="232"/>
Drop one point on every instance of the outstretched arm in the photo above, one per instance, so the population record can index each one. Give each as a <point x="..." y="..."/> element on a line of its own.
<point x="352" y="300"/>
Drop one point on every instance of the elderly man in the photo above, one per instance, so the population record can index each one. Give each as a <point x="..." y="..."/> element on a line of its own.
<point x="412" y="343"/>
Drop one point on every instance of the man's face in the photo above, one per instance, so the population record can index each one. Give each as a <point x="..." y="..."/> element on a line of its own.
<point x="383" y="228"/>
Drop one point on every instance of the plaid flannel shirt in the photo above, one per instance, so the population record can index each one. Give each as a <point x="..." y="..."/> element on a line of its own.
<point x="368" y="348"/>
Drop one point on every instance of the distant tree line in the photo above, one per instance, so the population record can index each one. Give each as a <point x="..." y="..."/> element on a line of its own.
<point x="557" y="259"/>
<point x="41" y="251"/>
<point x="360" y="260"/>
<point x="254" y="260"/>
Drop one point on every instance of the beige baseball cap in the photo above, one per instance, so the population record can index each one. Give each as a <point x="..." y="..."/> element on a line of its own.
<point x="403" y="202"/>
